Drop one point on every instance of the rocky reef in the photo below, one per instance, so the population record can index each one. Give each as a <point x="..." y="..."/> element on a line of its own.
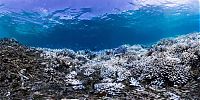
<point x="170" y="69"/>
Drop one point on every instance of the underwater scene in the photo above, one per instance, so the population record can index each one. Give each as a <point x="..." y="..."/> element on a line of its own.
<point x="100" y="49"/>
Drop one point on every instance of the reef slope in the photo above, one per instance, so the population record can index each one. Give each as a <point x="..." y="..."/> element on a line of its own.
<point x="170" y="69"/>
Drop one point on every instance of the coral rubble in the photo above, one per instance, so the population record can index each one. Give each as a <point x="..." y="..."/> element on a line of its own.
<point x="170" y="69"/>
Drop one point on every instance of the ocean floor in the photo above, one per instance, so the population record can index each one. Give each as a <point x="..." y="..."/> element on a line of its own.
<point x="169" y="69"/>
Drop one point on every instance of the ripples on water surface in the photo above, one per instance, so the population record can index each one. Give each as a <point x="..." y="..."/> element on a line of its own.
<point x="96" y="24"/>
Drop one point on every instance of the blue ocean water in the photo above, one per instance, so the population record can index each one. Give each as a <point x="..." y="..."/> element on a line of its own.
<point x="82" y="29"/>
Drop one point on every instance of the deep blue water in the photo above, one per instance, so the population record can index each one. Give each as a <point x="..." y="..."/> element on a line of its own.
<point x="145" y="25"/>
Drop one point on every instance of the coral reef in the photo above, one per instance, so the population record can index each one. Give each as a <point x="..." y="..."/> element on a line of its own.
<point x="170" y="69"/>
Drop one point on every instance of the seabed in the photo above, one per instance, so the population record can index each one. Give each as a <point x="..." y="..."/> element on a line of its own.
<point x="169" y="69"/>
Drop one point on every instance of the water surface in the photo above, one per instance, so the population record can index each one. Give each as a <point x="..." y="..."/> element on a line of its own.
<point x="96" y="24"/>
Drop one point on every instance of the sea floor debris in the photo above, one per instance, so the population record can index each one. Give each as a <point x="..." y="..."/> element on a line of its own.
<point x="170" y="69"/>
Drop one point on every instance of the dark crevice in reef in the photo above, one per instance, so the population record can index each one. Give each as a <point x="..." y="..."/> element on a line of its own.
<point x="169" y="69"/>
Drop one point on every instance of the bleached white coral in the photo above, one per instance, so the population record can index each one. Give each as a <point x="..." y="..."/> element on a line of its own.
<point x="110" y="88"/>
<point x="134" y="82"/>
<point x="169" y="62"/>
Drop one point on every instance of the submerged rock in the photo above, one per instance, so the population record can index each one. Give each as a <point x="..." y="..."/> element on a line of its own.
<point x="169" y="69"/>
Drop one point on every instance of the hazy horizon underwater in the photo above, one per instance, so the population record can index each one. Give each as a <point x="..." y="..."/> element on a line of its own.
<point x="100" y="49"/>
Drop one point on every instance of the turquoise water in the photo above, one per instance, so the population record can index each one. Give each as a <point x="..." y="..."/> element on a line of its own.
<point x="82" y="29"/>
